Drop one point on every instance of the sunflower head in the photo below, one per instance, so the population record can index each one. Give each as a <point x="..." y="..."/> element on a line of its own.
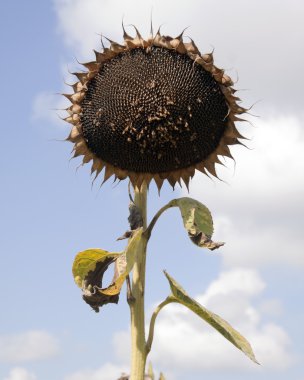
<point x="153" y="109"/>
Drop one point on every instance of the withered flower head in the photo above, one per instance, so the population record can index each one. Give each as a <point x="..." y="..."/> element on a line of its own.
<point x="153" y="109"/>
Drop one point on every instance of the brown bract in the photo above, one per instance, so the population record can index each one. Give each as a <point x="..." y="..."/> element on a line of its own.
<point x="161" y="134"/>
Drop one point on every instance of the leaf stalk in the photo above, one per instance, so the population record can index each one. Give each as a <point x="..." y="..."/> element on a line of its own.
<point x="153" y="319"/>
<point x="148" y="231"/>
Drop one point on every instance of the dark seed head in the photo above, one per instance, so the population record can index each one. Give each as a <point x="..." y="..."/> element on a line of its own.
<point x="153" y="111"/>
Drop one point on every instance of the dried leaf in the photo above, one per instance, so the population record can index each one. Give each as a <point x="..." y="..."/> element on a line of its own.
<point x="126" y="235"/>
<point x="135" y="218"/>
<point x="204" y="241"/>
<point x="214" y="320"/>
<point x="124" y="377"/>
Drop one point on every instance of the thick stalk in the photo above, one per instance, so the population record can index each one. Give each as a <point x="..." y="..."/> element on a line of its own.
<point x="137" y="304"/>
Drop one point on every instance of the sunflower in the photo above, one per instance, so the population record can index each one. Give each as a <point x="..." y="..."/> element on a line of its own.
<point x="154" y="109"/>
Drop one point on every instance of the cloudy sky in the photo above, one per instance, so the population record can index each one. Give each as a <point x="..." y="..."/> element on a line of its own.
<point x="49" y="211"/>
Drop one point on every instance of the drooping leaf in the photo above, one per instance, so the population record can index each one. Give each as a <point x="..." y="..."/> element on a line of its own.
<point x="90" y="265"/>
<point x="195" y="215"/>
<point x="197" y="221"/>
<point x="213" y="319"/>
<point x="88" y="270"/>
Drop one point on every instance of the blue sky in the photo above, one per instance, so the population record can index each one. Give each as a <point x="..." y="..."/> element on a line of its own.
<point x="49" y="211"/>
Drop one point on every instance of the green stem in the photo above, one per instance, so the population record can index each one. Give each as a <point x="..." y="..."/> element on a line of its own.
<point x="137" y="305"/>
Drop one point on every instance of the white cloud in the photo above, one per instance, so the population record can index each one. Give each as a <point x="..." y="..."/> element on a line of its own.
<point x="229" y="283"/>
<point x="19" y="373"/>
<point x="260" y="245"/>
<point x="195" y="346"/>
<point x="258" y="213"/>
<point x="27" y="346"/>
<point x="107" y="372"/>
<point x="272" y="307"/>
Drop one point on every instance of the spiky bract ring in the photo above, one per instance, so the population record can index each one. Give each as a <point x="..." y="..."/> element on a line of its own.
<point x="153" y="109"/>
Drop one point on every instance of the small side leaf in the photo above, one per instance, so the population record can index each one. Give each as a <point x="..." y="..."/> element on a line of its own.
<point x="214" y="320"/>
<point x="197" y="221"/>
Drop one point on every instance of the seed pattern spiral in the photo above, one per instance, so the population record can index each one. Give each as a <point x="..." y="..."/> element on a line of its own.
<point x="153" y="110"/>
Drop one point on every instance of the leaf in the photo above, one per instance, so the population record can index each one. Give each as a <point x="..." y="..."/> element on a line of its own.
<point x="90" y="265"/>
<point x="196" y="216"/>
<point x="197" y="221"/>
<point x="214" y="320"/>
<point x="88" y="269"/>
<point x="161" y="376"/>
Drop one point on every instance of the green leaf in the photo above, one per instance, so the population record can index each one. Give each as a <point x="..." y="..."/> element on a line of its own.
<point x="196" y="216"/>
<point x="214" y="320"/>
<point x="197" y="221"/>
<point x="90" y="265"/>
